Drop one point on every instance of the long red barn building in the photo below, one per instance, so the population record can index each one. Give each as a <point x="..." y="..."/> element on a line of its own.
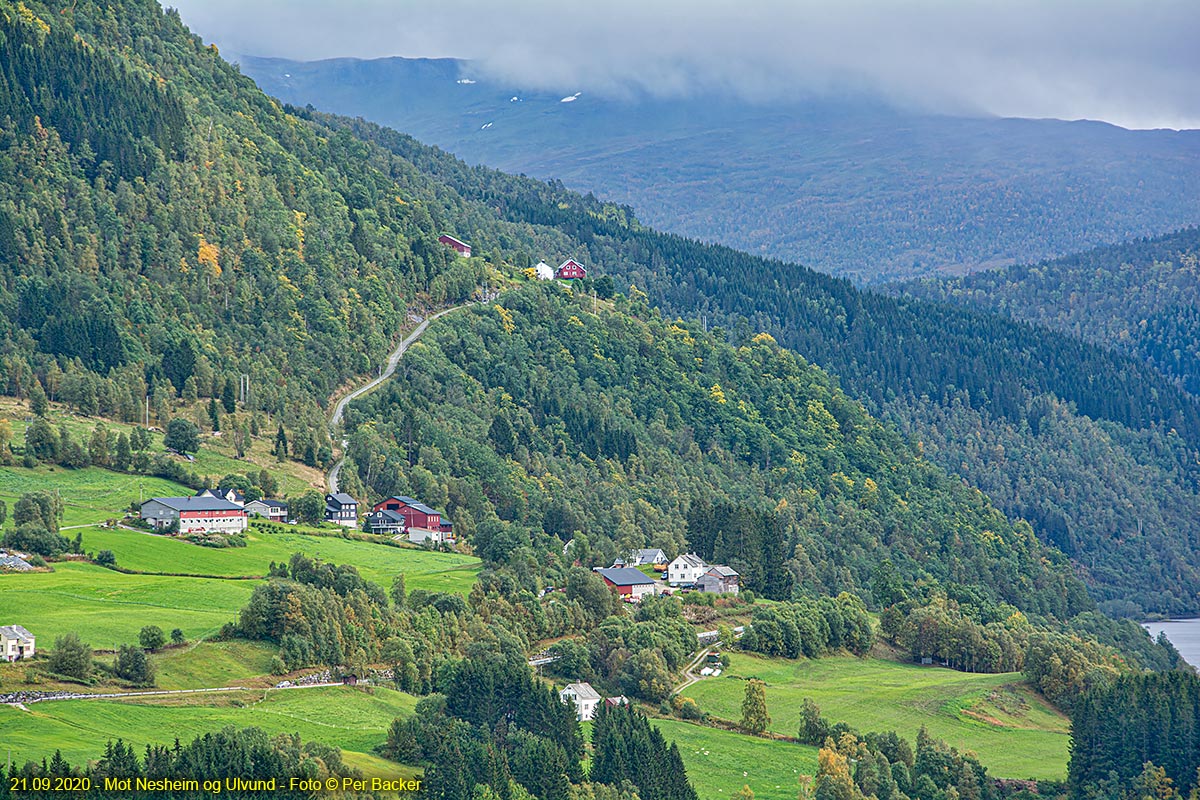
<point x="457" y="245"/>
<point x="416" y="514"/>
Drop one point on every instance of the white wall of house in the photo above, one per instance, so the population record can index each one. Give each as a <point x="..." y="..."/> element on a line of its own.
<point x="14" y="648"/>
<point x="233" y="523"/>
<point x="640" y="590"/>
<point x="680" y="571"/>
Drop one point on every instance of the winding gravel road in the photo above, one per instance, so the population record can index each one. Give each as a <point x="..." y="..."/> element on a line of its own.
<point x="339" y="410"/>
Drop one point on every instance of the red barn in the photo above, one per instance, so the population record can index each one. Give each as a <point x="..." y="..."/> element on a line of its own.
<point x="627" y="581"/>
<point x="570" y="270"/>
<point x="416" y="514"/>
<point x="457" y="245"/>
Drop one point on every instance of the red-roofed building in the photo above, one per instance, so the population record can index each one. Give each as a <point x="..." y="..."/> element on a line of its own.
<point x="457" y="245"/>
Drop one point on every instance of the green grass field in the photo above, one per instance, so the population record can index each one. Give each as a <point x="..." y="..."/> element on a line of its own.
<point x="1014" y="731"/>
<point x="446" y="572"/>
<point x="348" y="718"/>
<point x="719" y="763"/>
<point x="108" y="608"/>
<point x="89" y="495"/>
<point x="202" y="663"/>
<point x="215" y="458"/>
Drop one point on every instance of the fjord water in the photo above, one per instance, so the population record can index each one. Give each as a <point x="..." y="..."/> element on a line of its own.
<point x="1184" y="634"/>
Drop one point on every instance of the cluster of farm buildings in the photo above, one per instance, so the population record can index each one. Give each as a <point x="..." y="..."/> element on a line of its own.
<point x="225" y="510"/>
<point x="687" y="572"/>
<point x="569" y="270"/>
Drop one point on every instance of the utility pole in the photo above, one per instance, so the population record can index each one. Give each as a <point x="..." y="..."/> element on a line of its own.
<point x="147" y="410"/>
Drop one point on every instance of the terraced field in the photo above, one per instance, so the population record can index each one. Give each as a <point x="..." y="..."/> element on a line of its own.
<point x="720" y="762"/>
<point x="107" y="608"/>
<point x="423" y="569"/>
<point x="1016" y="733"/>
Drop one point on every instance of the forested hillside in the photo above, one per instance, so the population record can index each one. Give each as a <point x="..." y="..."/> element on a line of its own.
<point x="165" y="227"/>
<point x="287" y="245"/>
<point x="537" y="416"/>
<point x="847" y="185"/>
<point x="922" y="362"/>
<point x="1142" y="297"/>
<point x="1133" y="494"/>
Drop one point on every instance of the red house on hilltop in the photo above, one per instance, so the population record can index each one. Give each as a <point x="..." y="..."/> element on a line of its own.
<point x="457" y="245"/>
<point x="570" y="270"/>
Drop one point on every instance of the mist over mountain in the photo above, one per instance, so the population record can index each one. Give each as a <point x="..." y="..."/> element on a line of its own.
<point x="852" y="186"/>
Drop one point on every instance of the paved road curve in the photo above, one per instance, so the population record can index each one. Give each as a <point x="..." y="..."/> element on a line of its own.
<point x="393" y="361"/>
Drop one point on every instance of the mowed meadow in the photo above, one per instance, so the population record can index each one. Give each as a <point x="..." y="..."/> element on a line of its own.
<point x="353" y="719"/>
<point x="108" y="607"/>
<point x="721" y="762"/>
<point x="1013" y="730"/>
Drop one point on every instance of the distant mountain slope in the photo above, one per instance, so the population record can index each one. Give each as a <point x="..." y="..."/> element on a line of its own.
<point x="852" y="188"/>
<point x="1142" y="297"/>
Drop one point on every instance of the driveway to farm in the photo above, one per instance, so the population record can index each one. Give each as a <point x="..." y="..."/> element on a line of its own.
<point x="49" y="698"/>
<point x="339" y="409"/>
<point x="689" y="674"/>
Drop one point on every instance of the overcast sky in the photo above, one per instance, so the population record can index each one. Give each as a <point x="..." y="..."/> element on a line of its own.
<point x="1135" y="63"/>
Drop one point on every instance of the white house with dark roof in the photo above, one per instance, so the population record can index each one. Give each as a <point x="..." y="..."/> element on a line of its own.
<point x="16" y="643"/>
<point x="685" y="569"/>
<point x="224" y="493"/>
<point x="583" y="697"/>
<point x="646" y="557"/>
<point x="195" y="514"/>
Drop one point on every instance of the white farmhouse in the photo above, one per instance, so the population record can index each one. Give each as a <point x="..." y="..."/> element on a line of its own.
<point x="686" y="569"/>
<point x="15" y="643"/>
<point x="544" y="271"/>
<point x="583" y="697"/>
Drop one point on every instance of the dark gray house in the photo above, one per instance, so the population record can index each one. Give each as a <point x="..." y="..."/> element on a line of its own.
<point x="341" y="509"/>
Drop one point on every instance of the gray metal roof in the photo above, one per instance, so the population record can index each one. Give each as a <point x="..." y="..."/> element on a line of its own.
<point x="343" y="499"/>
<point x="387" y="514"/>
<point x="624" y="576"/>
<point x="16" y="632"/>
<point x="15" y="563"/>
<point x="269" y="503"/>
<point x="417" y="504"/>
<point x="723" y="571"/>
<point x="583" y="691"/>
<point x="182" y="504"/>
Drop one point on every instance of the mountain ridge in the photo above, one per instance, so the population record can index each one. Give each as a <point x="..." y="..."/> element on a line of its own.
<point x="848" y="188"/>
